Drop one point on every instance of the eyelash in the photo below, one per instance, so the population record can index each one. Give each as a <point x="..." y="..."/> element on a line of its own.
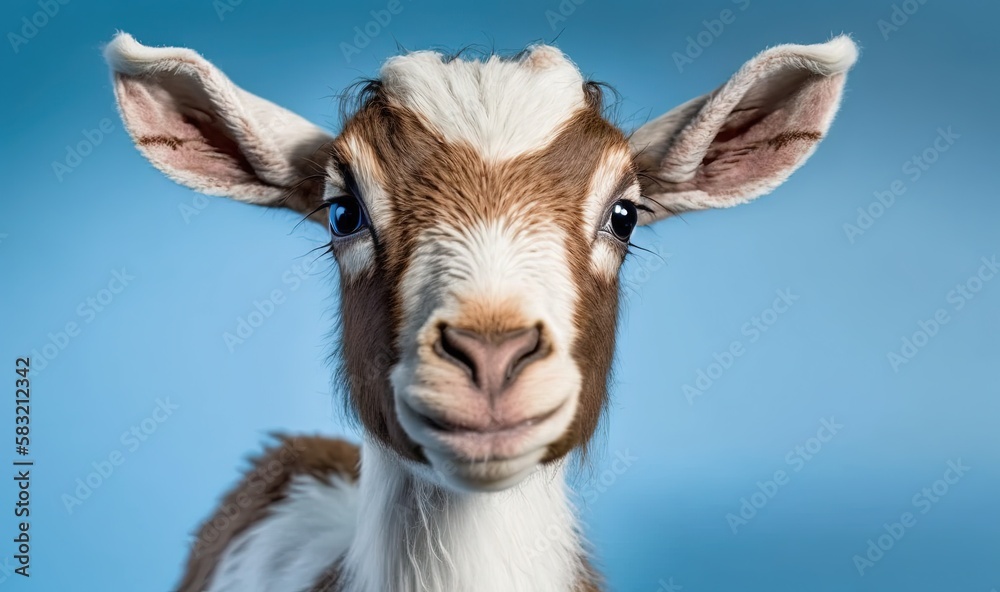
<point x="365" y="224"/>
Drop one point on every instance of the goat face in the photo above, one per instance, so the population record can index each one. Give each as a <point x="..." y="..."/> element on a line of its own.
<point x="479" y="212"/>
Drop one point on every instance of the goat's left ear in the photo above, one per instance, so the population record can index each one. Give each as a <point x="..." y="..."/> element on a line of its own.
<point x="208" y="134"/>
<point x="747" y="137"/>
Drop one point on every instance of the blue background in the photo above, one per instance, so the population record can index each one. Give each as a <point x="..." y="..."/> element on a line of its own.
<point x="661" y="522"/>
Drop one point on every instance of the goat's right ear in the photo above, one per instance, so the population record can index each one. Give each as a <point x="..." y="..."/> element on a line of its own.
<point x="206" y="133"/>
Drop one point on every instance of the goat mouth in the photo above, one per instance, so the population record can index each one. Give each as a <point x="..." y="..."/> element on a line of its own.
<point x="440" y="424"/>
<point x="489" y="442"/>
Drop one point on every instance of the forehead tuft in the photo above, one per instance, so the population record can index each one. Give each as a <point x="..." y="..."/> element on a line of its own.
<point x="503" y="107"/>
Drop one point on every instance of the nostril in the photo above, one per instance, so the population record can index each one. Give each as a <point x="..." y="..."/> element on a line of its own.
<point x="519" y="349"/>
<point x="454" y="346"/>
<point x="492" y="361"/>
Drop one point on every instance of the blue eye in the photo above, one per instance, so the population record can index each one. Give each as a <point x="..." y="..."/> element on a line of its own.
<point x="346" y="216"/>
<point x="624" y="217"/>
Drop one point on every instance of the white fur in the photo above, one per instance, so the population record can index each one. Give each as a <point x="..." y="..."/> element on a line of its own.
<point x="290" y="549"/>
<point x="421" y="537"/>
<point x="355" y="256"/>
<point x="501" y="107"/>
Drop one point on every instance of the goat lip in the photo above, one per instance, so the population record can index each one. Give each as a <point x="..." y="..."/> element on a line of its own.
<point x="496" y="444"/>
<point x="493" y="428"/>
<point x="488" y="444"/>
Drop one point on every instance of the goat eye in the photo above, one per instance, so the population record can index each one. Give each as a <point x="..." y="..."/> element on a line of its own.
<point x="624" y="217"/>
<point x="346" y="216"/>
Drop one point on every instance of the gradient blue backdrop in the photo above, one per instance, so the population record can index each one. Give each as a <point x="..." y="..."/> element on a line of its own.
<point x="661" y="523"/>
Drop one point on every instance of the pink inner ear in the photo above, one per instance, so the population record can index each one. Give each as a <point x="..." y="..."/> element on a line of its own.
<point x="185" y="143"/>
<point x="769" y="133"/>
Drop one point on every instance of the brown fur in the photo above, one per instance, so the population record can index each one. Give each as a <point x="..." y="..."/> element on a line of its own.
<point x="169" y="141"/>
<point x="785" y="138"/>
<point x="329" y="580"/>
<point x="263" y="486"/>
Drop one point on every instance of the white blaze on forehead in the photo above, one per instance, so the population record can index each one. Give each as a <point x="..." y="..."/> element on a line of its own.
<point x="503" y="107"/>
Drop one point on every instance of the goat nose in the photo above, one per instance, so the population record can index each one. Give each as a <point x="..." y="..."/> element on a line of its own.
<point x="493" y="361"/>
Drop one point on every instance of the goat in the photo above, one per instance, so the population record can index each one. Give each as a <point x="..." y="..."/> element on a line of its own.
<point x="479" y="211"/>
